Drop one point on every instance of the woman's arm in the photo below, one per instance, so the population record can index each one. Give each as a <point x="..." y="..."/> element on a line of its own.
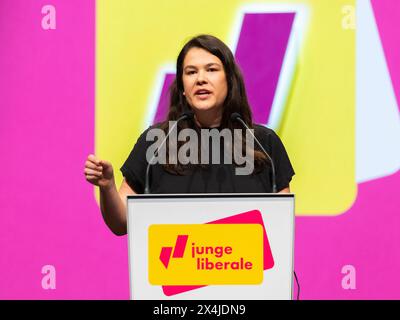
<point x="113" y="207"/>
<point x="112" y="202"/>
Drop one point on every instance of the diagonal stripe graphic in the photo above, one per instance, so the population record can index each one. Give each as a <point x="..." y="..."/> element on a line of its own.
<point x="165" y="255"/>
<point x="180" y="246"/>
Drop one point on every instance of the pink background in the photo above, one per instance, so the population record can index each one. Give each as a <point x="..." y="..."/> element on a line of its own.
<point x="48" y="211"/>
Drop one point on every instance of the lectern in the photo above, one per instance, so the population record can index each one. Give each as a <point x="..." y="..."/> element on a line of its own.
<point x="211" y="246"/>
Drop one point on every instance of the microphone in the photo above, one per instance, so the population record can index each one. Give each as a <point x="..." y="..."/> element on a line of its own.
<point x="187" y="115"/>
<point x="236" y="117"/>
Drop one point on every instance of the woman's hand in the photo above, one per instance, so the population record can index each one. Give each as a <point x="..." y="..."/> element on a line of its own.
<point x="99" y="172"/>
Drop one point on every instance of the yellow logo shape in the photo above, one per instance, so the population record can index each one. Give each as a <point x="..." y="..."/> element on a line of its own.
<point x="206" y="254"/>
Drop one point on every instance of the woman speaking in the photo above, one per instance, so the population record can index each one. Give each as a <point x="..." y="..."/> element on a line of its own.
<point x="208" y="99"/>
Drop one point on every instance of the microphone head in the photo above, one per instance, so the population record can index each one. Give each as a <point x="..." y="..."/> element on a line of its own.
<point x="188" y="114"/>
<point x="235" y="116"/>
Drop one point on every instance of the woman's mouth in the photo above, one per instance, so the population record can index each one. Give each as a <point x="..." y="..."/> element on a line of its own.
<point x="203" y="94"/>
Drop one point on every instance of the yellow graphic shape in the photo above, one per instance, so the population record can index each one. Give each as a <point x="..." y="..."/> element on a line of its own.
<point x="135" y="39"/>
<point x="223" y="254"/>
<point x="318" y="127"/>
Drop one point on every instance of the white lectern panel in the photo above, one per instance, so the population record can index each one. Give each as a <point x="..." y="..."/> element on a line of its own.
<point x="277" y="211"/>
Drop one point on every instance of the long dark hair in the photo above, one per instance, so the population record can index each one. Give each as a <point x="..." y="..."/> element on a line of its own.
<point x="235" y="101"/>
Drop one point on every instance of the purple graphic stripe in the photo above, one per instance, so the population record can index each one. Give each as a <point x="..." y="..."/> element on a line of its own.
<point x="162" y="107"/>
<point x="260" y="52"/>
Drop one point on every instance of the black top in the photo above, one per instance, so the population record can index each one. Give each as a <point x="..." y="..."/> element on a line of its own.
<point x="213" y="178"/>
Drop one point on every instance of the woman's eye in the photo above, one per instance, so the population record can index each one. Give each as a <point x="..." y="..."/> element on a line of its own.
<point x="190" y="72"/>
<point x="212" y="69"/>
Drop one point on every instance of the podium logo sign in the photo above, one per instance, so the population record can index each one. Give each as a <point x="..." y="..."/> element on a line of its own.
<point x="206" y="254"/>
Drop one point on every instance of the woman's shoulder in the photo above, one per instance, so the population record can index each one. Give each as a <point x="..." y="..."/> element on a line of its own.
<point x="263" y="132"/>
<point x="153" y="126"/>
<point x="145" y="138"/>
<point x="268" y="137"/>
<point x="157" y="125"/>
<point x="262" y="128"/>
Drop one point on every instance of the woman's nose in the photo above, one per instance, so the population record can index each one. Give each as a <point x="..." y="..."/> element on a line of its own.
<point x="201" y="78"/>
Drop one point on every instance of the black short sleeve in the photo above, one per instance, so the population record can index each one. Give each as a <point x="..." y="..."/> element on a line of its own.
<point x="283" y="167"/>
<point x="212" y="179"/>
<point x="134" y="168"/>
<point x="274" y="146"/>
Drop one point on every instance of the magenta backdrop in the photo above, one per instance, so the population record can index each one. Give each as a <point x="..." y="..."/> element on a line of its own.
<point x="367" y="235"/>
<point x="48" y="211"/>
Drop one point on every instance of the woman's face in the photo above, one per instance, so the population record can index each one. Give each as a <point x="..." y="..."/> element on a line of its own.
<point x="204" y="80"/>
